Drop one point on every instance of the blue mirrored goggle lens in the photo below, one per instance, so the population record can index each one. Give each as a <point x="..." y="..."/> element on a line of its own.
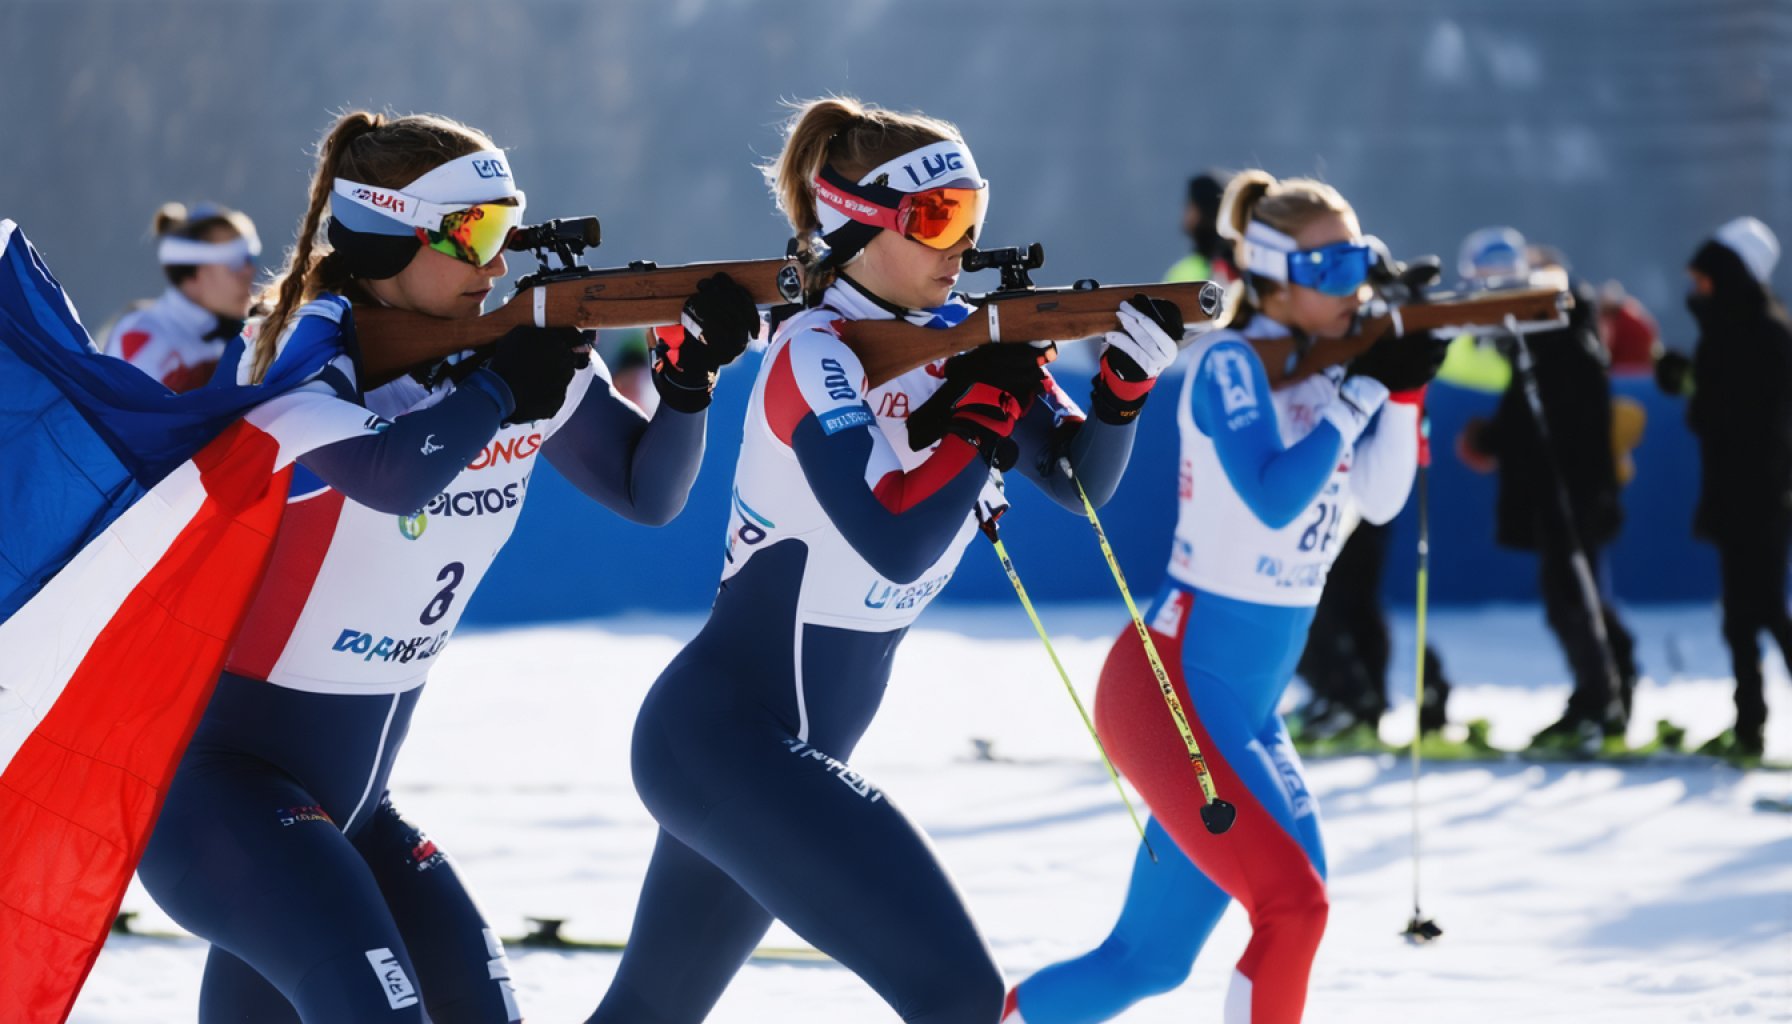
<point x="1333" y="270"/>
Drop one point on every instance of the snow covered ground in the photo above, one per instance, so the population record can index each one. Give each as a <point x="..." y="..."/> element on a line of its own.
<point x="1566" y="893"/>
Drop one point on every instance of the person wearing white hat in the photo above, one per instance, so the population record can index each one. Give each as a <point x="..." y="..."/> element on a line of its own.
<point x="1739" y="378"/>
<point x="208" y="255"/>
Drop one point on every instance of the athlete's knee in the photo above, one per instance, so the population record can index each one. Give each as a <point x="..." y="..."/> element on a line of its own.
<point x="1297" y="914"/>
<point x="969" y="994"/>
<point x="378" y="986"/>
<point x="1144" y="969"/>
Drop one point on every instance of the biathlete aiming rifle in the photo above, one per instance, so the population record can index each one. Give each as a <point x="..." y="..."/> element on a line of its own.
<point x="562" y="293"/>
<point x="1402" y="309"/>
<point x="1018" y="311"/>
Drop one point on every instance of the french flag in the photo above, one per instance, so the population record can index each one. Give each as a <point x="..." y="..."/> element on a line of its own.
<point x="134" y="527"/>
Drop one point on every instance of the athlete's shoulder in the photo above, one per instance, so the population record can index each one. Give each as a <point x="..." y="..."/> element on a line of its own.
<point x="1228" y="383"/>
<point x="814" y="371"/>
<point x="133" y="333"/>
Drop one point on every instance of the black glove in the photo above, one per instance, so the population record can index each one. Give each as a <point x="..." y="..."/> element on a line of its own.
<point x="1015" y="369"/>
<point x="536" y="364"/>
<point x="1401" y="361"/>
<point x="717" y="323"/>
<point x="1672" y="371"/>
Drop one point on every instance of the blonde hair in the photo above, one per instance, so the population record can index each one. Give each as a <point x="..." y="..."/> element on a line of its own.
<point x="374" y="149"/>
<point x="1288" y="205"/>
<point x="852" y="137"/>
<point x="176" y="220"/>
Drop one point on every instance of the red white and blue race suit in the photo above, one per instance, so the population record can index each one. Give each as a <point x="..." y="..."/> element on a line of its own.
<point x="1269" y="484"/>
<point x="840" y="535"/>
<point x="278" y="842"/>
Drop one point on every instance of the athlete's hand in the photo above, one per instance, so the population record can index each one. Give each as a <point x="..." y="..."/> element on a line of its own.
<point x="985" y="415"/>
<point x="1016" y="370"/>
<point x="1403" y="362"/>
<point x="536" y="364"/>
<point x="713" y="330"/>
<point x="1135" y="356"/>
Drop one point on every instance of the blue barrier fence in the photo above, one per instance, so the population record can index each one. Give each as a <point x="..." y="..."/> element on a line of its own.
<point x="571" y="559"/>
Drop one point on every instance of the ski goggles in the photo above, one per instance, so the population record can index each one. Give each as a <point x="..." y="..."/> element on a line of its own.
<point x="1338" y="269"/>
<point x="936" y="217"/>
<point x="472" y="233"/>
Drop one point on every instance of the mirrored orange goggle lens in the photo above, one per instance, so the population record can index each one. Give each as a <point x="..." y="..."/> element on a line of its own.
<point x="940" y="217"/>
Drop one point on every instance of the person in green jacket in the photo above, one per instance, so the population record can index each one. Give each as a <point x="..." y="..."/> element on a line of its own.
<point x="1211" y="259"/>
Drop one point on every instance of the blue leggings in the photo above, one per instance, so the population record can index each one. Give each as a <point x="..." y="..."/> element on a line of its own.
<point x="1237" y="658"/>
<point x="761" y="815"/>
<point x="278" y="845"/>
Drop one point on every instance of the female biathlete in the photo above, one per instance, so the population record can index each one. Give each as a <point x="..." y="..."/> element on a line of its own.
<point x="208" y="255"/>
<point x="1267" y="479"/>
<point x="851" y="508"/>
<point x="278" y="842"/>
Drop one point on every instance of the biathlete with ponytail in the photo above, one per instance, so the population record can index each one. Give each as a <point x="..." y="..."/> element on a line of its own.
<point x="278" y="842"/>
<point x="1268" y="478"/>
<point x="851" y="508"/>
<point x="208" y="255"/>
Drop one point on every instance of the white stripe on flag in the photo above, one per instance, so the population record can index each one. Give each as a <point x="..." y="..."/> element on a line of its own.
<point x="46" y="639"/>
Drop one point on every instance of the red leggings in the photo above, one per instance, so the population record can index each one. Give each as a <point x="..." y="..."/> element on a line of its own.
<point x="1270" y="860"/>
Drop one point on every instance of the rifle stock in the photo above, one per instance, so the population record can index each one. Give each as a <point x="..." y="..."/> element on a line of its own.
<point x="890" y="348"/>
<point x="394" y="341"/>
<point x="1480" y="309"/>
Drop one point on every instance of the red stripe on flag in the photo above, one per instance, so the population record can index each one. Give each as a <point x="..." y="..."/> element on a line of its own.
<point x="80" y="796"/>
<point x="299" y="552"/>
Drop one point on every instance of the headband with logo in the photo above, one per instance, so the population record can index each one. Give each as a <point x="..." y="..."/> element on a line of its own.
<point x="481" y="177"/>
<point x="852" y="213"/>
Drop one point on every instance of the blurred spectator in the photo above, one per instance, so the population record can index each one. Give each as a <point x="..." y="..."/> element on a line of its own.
<point x="626" y="353"/>
<point x="1740" y="380"/>
<point x="1628" y="331"/>
<point x="1211" y="259"/>
<point x="1345" y="663"/>
<point x="1559" y="499"/>
<point x="208" y="255"/>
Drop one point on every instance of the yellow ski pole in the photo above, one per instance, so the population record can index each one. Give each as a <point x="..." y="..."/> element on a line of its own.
<point x="987" y="521"/>
<point x="1217" y="815"/>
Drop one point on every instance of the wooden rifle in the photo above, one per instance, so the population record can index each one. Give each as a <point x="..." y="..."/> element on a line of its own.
<point x="1018" y="311"/>
<point x="562" y="293"/>
<point x="1287" y="360"/>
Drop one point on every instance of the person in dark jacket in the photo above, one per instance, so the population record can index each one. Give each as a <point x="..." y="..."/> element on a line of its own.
<point x="1345" y="663"/>
<point x="1740" y="380"/>
<point x="1574" y="466"/>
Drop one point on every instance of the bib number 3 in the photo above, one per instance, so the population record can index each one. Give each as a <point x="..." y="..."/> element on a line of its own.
<point x="438" y="606"/>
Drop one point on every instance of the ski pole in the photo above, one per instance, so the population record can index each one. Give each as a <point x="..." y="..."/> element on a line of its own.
<point x="1420" y="928"/>
<point x="1217" y="815"/>
<point x="987" y="522"/>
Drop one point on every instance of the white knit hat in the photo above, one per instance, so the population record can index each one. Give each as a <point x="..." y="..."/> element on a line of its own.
<point x="1754" y="242"/>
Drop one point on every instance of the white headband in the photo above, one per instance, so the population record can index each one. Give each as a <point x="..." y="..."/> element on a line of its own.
<point x="187" y="252"/>
<point x="931" y="166"/>
<point x="1266" y="251"/>
<point x="480" y="177"/>
<point x="475" y="178"/>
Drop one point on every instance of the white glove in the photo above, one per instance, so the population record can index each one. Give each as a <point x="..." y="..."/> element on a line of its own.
<point x="1144" y="340"/>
